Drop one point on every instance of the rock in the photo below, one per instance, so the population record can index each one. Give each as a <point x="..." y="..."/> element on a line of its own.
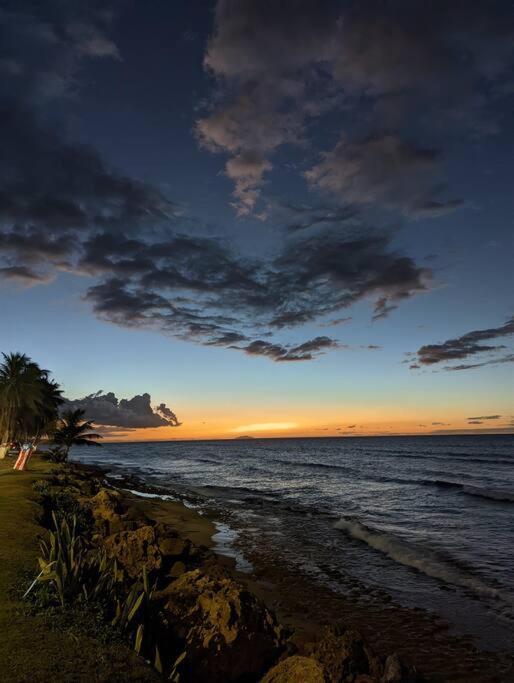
<point x="344" y="653"/>
<point x="133" y="549"/>
<point x="137" y="517"/>
<point x="295" y="669"/>
<point x="163" y="530"/>
<point x="392" y="670"/>
<point x="174" y="547"/>
<point x="228" y="633"/>
<point x="106" y="502"/>
<point x="177" y="570"/>
<point x="106" y="509"/>
<point x="395" y="671"/>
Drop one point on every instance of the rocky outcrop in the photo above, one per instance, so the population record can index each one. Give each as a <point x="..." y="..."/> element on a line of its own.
<point x="345" y="656"/>
<point x="134" y="549"/>
<point x="209" y="628"/>
<point x="228" y="634"/>
<point x="106" y="508"/>
<point x="395" y="671"/>
<point x="295" y="669"/>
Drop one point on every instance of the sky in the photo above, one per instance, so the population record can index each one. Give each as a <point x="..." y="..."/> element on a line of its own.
<point x="232" y="218"/>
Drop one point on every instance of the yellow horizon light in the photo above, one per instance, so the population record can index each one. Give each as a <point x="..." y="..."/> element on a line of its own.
<point x="265" y="427"/>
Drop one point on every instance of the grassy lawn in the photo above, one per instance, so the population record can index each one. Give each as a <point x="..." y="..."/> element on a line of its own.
<point x="33" y="648"/>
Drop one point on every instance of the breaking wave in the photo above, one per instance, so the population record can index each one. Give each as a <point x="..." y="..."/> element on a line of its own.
<point x="417" y="558"/>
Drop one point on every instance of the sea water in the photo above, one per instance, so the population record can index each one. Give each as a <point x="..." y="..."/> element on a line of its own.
<point x="427" y="520"/>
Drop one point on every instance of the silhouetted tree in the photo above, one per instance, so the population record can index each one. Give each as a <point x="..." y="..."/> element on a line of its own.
<point x="29" y="400"/>
<point x="74" y="430"/>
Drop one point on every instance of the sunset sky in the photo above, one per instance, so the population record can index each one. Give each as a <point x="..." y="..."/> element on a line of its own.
<point x="274" y="218"/>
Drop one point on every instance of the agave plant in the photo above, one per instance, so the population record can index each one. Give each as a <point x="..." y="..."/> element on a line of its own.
<point x="62" y="560"/>
<point x="134" y="616"/>
<point x="75" y="573"/>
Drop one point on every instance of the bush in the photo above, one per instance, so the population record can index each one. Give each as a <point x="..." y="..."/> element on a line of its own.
<point x="62" y="504"/>
<point x="55" y="454"/>
<point x="75" y="574"/>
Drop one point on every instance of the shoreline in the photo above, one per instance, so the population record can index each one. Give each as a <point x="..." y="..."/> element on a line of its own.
<point x="419" y="647"/>
<point x="421" y="638"/>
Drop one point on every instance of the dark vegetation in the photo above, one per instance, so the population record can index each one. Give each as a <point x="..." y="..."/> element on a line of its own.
<point x="30" y="409"/>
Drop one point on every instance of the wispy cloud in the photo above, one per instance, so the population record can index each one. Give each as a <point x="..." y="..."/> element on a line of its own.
<point x="469" y="345"/>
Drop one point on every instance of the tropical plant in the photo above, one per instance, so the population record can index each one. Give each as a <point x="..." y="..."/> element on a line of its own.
<point x="71" y="569"/>
<point x="62" y="560"/>
<point x="74" y="430"/>
<point x="75" y="571"/>
<point x="29" y="400"/>
<point x="55" y="454"/>
<point x="135" y="615"/>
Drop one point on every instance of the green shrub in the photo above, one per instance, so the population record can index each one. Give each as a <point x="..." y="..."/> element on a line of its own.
<point x="73" y="573"/>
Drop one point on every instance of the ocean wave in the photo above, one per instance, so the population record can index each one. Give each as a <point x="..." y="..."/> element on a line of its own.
<point x="499" y="495"/>
<point x="314" y="465"/>
<point x="489" y="494"/>
<point x="417" y="558"/>
<point x="442" y="483"/>
<point x="458" y="456"/>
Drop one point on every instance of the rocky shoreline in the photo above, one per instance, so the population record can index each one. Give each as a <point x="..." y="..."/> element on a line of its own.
<point x="210" y="626"/>
<point x="306" y="607"/>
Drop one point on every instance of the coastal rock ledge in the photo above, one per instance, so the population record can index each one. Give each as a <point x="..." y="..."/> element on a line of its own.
<point x="295" y="668"/>
<point x="228" y="633"/>
<point x="209" y="627"/>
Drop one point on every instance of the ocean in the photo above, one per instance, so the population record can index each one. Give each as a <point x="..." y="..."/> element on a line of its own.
<point x="428" y="521"/>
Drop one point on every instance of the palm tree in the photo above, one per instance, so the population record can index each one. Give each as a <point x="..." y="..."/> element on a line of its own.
<point x="46" y="421"/>
<point x="29" y="400"/>
<point x="73" y="430"/>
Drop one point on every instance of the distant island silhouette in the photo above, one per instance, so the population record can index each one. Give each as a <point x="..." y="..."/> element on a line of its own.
<point x="244" y="437"/>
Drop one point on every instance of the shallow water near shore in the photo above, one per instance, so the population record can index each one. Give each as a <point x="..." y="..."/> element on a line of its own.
<point x="425" y="521"/>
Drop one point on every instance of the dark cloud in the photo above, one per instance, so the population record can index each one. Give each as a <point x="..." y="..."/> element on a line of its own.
<point x="62" y="208"/>
<point x="134" y="413"/>
<point x="279" y="66"/>
<point x="305" y="217"/>
<point x="440" y="424"/>
<point x="306" y="351"/>
<point x="469" y="344"/>
<point x="494" y="361"/>
<point x="198" y="288"/>
<point x="54" y="190"/>
<point x="475" y="422"/>
<point x="43" y="45"/>
<point x="486" y="417"/>
<point x="384" y="170"/>
<point x="24" y="276"/>
<point x="64" y="187"/>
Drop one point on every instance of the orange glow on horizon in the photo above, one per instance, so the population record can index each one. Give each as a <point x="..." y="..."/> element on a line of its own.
<point x="222" y="427"/>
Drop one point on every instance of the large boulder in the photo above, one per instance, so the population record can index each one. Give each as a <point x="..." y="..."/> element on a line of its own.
<point x="106" y="508"/>
<point x="295" y="669"/>
<point x="134" y="549"/>
<point x="396" y="671"/>
<point x="228" y="634"/>
<point x="344" y="653"/>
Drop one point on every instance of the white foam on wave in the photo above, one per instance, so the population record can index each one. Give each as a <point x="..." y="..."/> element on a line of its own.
<point x="224" y="540"/>
<point x="151" y="496"/>
<point x="416" y="558"/>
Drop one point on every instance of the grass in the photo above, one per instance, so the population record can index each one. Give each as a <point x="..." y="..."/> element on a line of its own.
<point x="39" y="647"/>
